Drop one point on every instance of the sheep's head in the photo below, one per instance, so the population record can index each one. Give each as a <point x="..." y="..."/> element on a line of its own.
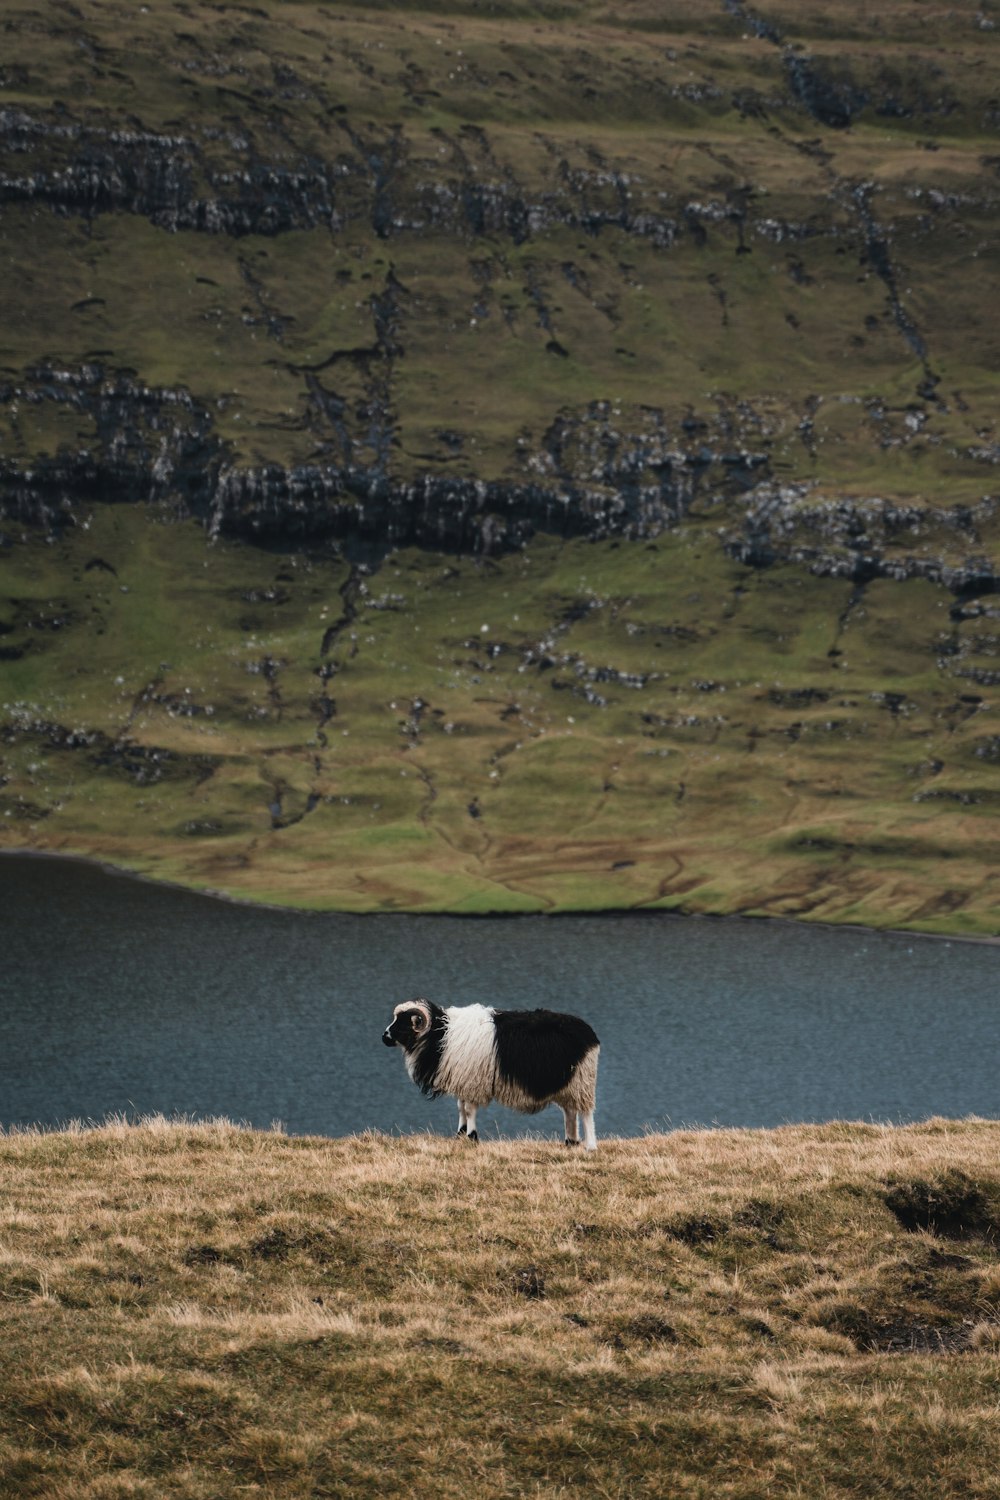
<point x="410" y="1024"/>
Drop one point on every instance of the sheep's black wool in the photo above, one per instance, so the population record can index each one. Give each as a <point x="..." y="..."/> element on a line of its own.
<point x="427" y="1057"/>
<point x="540" y="1050"/>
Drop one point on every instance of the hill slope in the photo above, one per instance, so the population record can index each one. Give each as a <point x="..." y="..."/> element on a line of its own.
<point x="593" y="409"/>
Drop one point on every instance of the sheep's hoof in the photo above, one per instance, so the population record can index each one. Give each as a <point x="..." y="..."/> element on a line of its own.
<point x="571" y="1143"/>
<point x="461" y="1130"/>
<point x="474" y="1136"/>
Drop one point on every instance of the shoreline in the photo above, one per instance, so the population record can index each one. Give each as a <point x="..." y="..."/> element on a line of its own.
<point x="645" y="912"/>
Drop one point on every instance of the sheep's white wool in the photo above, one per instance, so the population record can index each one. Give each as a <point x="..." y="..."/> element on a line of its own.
<point x="468" y="1066"/>
<point x="580" y="1094"/>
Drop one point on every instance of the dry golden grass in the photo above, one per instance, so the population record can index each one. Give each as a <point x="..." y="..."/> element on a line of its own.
<point x="207" y="1311"/>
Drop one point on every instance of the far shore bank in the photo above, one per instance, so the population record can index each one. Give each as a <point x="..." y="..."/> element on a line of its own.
<point x="108" y="867"/>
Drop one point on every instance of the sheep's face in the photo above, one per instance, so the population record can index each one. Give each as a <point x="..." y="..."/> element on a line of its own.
<point x="410" y="1023"/>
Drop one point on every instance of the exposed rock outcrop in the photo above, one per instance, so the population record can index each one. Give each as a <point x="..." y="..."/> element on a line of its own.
<point x="589" y="475"/>
<point x="866" y="539"/>
<point x="154" y="443"/>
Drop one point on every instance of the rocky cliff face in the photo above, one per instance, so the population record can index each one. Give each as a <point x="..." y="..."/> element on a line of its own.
<point x="589" y="478"/>
<point x="397" y="278"/>
<point x="868" y="539"/>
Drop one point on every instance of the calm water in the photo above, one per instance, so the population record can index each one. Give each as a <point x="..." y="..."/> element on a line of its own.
<point x="121" y="996"/>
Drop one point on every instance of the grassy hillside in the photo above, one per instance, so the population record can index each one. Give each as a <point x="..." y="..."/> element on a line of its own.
<point x="509" y="457"/>
<point x="578" y="725"/>
<point x="206" y="1311"/>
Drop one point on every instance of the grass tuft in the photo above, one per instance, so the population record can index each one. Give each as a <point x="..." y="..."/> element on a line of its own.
<point x="953" y="1206"/>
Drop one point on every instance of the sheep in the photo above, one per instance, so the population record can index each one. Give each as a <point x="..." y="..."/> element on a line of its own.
<point x="524" y="1058"/>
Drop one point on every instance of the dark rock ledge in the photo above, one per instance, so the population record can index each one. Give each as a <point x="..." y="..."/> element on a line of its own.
<point x="588" y="476"/>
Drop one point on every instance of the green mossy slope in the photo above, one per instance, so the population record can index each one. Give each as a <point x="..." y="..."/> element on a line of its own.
<point x="579" y="725"/>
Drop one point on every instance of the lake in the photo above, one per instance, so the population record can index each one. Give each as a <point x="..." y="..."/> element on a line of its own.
<point x="123" y="996"/>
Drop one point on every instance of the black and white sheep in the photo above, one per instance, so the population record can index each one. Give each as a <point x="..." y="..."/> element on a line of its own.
<point x="524" y="1058"/>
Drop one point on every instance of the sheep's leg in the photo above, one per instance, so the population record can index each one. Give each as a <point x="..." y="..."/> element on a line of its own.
<point x="589" y="1135"/>
<point x="569" y="1115"/>
<point x="462" y="1118"/>
<point x="470" y="1118"/>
